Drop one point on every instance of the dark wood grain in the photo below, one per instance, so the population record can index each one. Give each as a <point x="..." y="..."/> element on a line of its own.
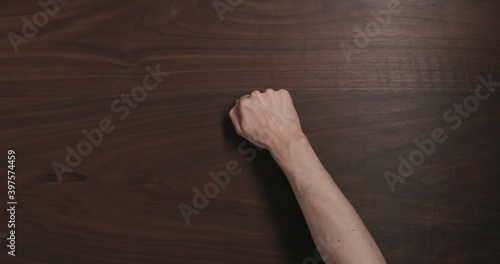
<point x="121" y="203"/>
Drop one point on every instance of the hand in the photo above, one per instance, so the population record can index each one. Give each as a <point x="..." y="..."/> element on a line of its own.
<point x="268" y="119"/>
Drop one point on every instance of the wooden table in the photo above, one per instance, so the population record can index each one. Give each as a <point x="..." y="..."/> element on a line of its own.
<point x="117" y="114"/>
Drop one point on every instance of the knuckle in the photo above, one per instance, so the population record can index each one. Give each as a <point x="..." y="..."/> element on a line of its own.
<point x="255" y="92"/>
<point x="283" y="91"/>
<point x="244" y="102"/>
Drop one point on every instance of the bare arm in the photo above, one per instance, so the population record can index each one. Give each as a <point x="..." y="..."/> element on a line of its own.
<point x="269" y="120"/>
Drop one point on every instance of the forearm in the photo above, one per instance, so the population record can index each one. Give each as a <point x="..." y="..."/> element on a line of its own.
<point x="338" y="231"/>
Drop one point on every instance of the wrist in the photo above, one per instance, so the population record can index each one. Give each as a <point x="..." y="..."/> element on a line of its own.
<point x="301" y="165"/>
<point x="288" y="153"/>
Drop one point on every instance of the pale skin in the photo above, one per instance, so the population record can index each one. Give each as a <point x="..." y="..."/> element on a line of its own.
<point x="269" y="120"/>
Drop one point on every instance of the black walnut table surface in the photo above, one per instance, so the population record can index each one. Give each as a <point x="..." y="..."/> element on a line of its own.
<point x="368" y="79"/>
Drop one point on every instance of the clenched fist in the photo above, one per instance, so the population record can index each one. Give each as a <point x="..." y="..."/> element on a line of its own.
<point x="268" y="119"/>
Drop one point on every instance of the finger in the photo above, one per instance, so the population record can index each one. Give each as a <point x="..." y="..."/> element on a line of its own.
<point x="255" y="93"/>
<point x="268" y="90"/>
<point x="234" y="114"/>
